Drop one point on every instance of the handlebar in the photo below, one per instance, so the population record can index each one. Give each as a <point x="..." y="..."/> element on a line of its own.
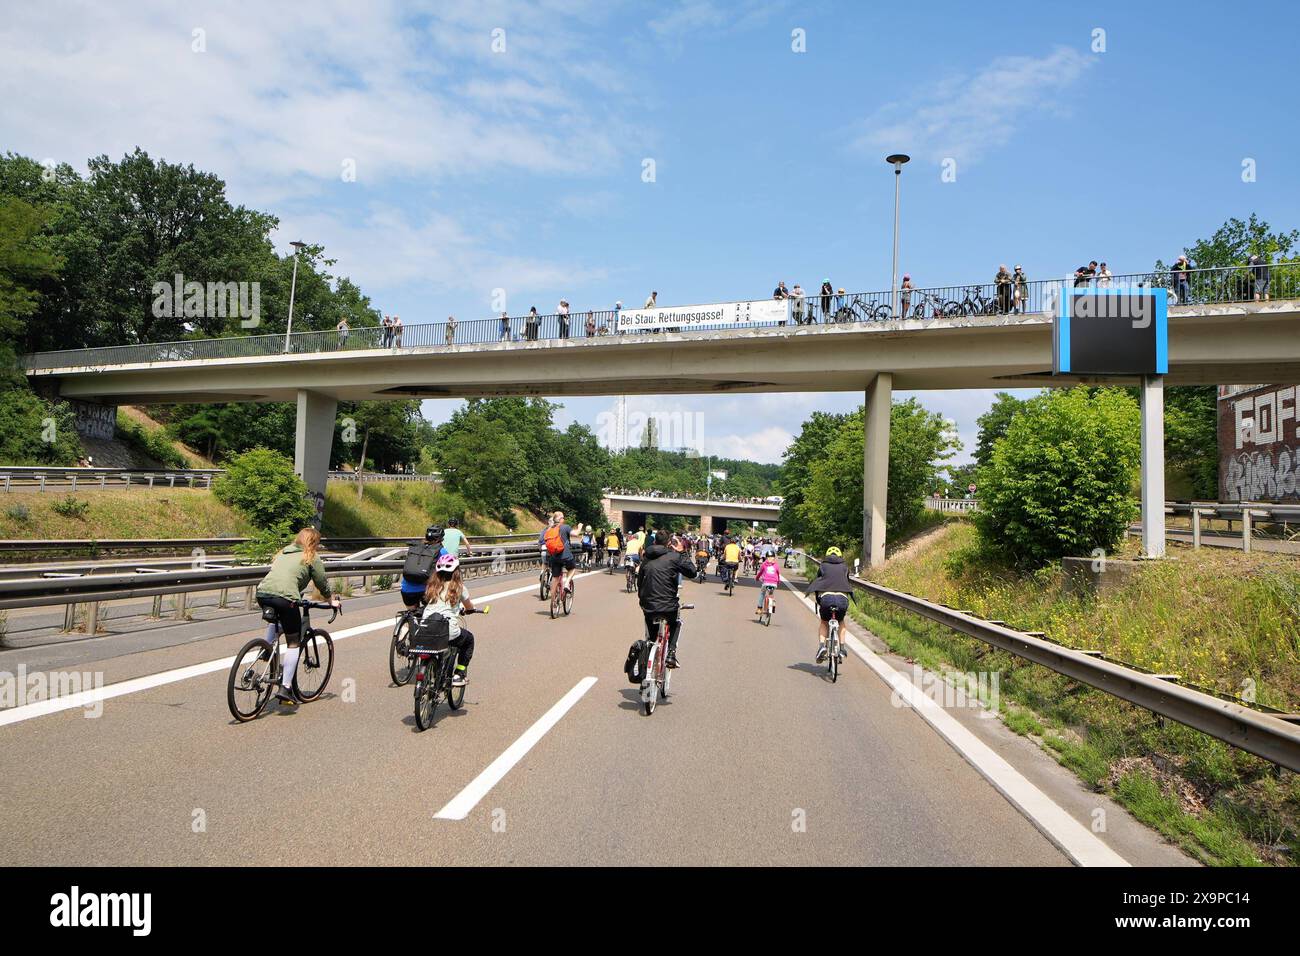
<point x="337" y="609"/>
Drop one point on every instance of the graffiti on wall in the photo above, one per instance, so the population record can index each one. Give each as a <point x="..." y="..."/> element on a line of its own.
<point x="1259" y="448"/>
<point x="95" y="421"/>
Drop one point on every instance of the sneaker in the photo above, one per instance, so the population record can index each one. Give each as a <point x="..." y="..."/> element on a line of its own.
<point x="460" y="678"/>
<point x="821" y="654"/>
<point x="285" y="696"/>
<point x="672" y="663"/>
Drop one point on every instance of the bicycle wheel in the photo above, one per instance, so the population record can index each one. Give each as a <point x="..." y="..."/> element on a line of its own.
<point x="630" y="585"/>
<point x="251" y="681"/>
<point x="425" y="704"/>
<point x="555" y="604"/>
<point x="568" y="598"/>
<point x="650" y="692"/>
<point x="315" y="664"/>
<point x="833" y="656"/>
<point x="399" y="661"/>
<point x="953" y="309"/>
<point x="455" y="695"/>
<point x="544" y="580"/>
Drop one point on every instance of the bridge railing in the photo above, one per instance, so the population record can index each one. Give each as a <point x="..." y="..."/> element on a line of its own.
<point x="68" y="478"/>
<point x="980" y="300"/>
<point x="951" y="505"/>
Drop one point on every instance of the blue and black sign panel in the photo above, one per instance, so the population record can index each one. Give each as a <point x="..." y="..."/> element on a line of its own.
<point x="1112" y="332"/>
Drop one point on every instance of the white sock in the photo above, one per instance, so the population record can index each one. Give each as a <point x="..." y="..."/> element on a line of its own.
<point x="290" y="666"/>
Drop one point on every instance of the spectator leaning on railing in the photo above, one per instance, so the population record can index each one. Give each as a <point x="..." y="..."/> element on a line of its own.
<point x="1260" y="274"/>
<point x="1003" y="282"/>
<point x="1182" y="272"/>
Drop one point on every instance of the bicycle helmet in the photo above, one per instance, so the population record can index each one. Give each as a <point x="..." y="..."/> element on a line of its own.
<point x="447" y="564"/>
<point x="432" y="533"/>
<point x="834" y="552"/>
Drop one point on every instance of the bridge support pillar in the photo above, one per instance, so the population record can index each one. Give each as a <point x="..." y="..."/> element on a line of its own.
<point x="312" y="443"/>
<point x="1153" y="465"/>
<point x="875" y="468"/>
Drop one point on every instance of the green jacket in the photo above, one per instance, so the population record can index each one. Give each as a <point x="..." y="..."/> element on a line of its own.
<point x="289" y="575"/>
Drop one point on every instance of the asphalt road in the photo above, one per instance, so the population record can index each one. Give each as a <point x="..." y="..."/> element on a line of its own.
<point x="755" y="758"/>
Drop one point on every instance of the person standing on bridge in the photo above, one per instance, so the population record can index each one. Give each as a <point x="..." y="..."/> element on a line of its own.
<point x="532" y="325"/>
<point x="342" y="328"/>
<point x="1260" y="273"/>
<point x="796" y="294"/>
<point x="827" y="291"/>
<point x="1022" y="289"/>
<point x="278" y="594"/>
<point x="1003" y="283"/>
<point x="386" y="336"/>
<point x="451" y="330"/>
<point x="562" y="312"/>
<point x="397" y="331"/>
<point x="590" y="327"/>
<point x="505" y="327"/>
<point x="1183" y="279"/>
<point x="1084" y="274"/>
<point x="905" y="296"/>
<point x="650" y="302"/>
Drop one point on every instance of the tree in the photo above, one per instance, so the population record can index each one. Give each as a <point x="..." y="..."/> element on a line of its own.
<point x="993" y="425"/>
<point x="1234" y="241"/>
<point x="919" y="442"/>
<point x="262" y="484"/>
<point x="1061" y="483"/>
<point x="483" y="461"/>
<point x="809" y="446"/>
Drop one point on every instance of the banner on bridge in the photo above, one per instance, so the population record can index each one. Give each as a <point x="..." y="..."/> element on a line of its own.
<point x="721" y="315"/>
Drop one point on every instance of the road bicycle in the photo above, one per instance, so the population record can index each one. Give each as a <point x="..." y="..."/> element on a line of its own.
<point x="658" y="675"/>
<point x="833" y="648"/>
<point x="561" y="597"/>
<point x="433" y="661"/>
<point x="544" y="580"/>
<point x="769" y="605"/>
<point x="728" y="579"/>
<point x="258" y="670"/>
<point x="629" y="583"/>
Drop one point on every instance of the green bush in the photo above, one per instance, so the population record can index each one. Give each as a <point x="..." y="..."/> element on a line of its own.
<point x="71" y="507"/>
<point x="1060" y="481"/>
<point x="19" y="513"/>
<point x="32" y="430"/>
<point x="261" y="483"/>
<point x="153" y="443"/>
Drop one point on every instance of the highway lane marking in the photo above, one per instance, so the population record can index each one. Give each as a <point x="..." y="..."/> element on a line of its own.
<point x="135" y="685"/>
<point x="1071" y="837"/>
<point x="460" y="805"/>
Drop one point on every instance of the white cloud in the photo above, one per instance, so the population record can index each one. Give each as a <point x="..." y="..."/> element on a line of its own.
<point x="964" y="117"/>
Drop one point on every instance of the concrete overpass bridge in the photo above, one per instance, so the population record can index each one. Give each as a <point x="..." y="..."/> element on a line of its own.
<point x="705" y="350"/>
<point x="629" y="511"/>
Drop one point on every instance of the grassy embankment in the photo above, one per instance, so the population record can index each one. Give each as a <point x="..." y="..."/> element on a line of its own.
<point x="1223" y="620"/>
<point x="396" y="509"/>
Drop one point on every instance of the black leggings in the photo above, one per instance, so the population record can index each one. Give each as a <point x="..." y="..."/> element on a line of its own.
<point x="464" y="645"/>
<point x="287" y="616"/>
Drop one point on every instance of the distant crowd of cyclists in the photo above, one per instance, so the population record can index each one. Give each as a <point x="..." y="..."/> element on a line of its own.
<point x="432" y="583"/>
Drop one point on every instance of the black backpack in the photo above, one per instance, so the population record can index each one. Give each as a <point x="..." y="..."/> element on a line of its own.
<point x="634" y="667"/>
<point x="420" y="559"/>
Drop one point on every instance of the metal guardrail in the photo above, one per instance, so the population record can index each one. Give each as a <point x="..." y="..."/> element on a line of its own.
<point x="951" y="505"/>
<point x="60" y="478"/>
<point x="79" y="545"/>
<point x="1188" y="287"/>
<point x="1260" y="732"/>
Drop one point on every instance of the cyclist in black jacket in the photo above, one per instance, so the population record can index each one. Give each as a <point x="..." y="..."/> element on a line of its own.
<point x="831" y="590"/>
<point x="656" y="586"/>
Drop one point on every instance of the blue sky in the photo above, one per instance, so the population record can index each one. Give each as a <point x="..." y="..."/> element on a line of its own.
<point x="521" y="169"/>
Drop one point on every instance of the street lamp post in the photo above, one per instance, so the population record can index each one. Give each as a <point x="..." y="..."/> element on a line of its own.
<point x="293" y="287"/>
<point x="896" y="160"/>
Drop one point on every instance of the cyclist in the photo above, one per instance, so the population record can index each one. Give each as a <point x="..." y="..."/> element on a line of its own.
<point x="420" y="560"/>
<point x="454" y="539"/>
<point x="613" y="544"/>
<point x="702" y="555"/>
<point x="291" y="569"/>
<point x="448" y="596"/>
<point x="588" y="546"/>
<point x="830" y="590"/>
<point x="730" y="559"/>
<point x="769" y="579"/>
<point x="558" y="553"/>
<point x="656" y="587"/>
